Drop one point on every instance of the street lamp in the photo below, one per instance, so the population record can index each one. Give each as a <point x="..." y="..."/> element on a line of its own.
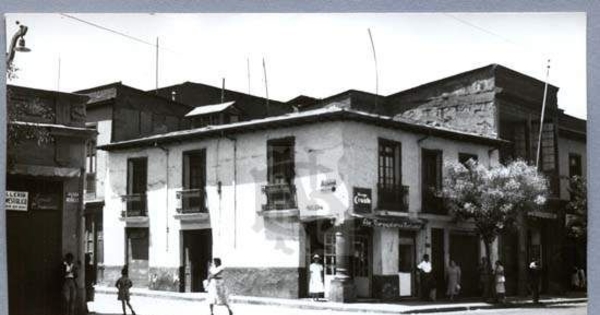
<point x="18" y="37"/>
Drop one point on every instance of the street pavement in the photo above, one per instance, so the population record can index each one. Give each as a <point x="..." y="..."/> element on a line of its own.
<point x="107" y="304"/>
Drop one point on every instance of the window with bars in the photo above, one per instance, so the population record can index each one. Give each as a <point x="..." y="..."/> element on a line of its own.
<point x="391" y="195"/>
<point x="192" y="196"/>
<point x="280" y="190"/>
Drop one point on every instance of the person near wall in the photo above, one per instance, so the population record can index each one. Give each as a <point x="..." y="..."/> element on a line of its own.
<point x="484" y="278"/>
<point x="425" y="277"/>
<point x="90" y="280"/>
<point x="534" y="280"/>
<point x="123" y="285"/>
<point x="316" y="288"/>
<point x="217" y="291"/>
<point x="69" y="287"/>
<point x="499" y="281"/>
<point x="453" y="280"/>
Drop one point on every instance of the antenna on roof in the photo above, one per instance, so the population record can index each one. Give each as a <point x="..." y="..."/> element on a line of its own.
<point x="375" y="59"/>
<point x="223" y="92"/>
<point x="539" y="144"/>
<point x="248" y="66"/>
<point x="156" y="67"/>
<point x="58" y="76"/>
<point x="266" y="85"/>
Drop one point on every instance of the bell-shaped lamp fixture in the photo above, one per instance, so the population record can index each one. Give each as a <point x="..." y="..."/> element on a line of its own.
<point x="21" y="47"/>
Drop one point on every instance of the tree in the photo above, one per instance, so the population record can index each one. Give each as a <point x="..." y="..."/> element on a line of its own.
<point x="493" y="198"/>
<point x="578" y="206"/>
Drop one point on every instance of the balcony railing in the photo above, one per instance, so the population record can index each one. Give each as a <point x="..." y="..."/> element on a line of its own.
<point x="191" y="201"/>
<point x="279" y="197"/>
<point x="134" y="205"/>
<point x="433" y="203"/>
<point x="392" y="197"/>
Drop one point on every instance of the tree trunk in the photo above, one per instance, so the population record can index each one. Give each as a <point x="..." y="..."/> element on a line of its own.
<point x="490" y="273"/>
<point x="522" y="254"/>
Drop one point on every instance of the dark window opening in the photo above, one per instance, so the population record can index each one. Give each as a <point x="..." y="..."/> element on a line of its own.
<point x="192" y="196"/>
<point x="280" y="191"/>
<point x="431" y="181"/>
<point x="391" y="194"/>
<point x="137" y="176"/>
<point x="463" y="158"/>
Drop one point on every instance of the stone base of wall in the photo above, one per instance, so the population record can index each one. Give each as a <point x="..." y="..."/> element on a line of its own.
<point x="386" y="287"/>
<point x="271" y="282"/>
<point x="164" y="279"/>
<point x="111" y="274"/>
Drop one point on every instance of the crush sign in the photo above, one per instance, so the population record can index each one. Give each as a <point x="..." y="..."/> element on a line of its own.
<point x="361" y="198"/>
<point x="16" y="200"/>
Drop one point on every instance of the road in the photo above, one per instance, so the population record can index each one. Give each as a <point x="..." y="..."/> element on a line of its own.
<point x="108" y="305"/>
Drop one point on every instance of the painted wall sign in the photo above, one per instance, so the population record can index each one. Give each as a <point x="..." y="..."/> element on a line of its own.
<point x="328" y="185"/>
<point x="45" y="201"/>
<point x="361" y="199"/>
<point x="314" y="207"/>
<point x="401" y="224"/>
<point x="16" y="200"/>
<point x="73" y="197"/>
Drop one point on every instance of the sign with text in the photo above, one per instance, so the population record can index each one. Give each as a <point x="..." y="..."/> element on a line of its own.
<point x="16" y="200"/>
<point x="72" y="197"/>
<point x="361" y="199"/>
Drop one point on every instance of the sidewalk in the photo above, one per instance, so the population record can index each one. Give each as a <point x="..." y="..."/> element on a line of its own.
<point x="388" y="307"/>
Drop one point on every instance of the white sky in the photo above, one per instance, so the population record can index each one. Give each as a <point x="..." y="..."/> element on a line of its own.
<point x="313" y="54"/>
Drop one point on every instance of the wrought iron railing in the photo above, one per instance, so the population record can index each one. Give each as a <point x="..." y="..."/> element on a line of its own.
<point x="134" y="205"/>
<point x="392" y="197"/>
<point x="191" y="201"/>
<point x="280" y="197"/>
<point x="433" y="203"/>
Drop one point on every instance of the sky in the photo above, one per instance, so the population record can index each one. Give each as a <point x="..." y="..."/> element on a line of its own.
<point x="318" y="55"/>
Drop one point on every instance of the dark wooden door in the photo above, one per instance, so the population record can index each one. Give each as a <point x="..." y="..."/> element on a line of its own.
<point x="137" y="243"/>
<point x="437" y="260"/>
<point x="197" y="255"/>
<point x="464" y="250"/>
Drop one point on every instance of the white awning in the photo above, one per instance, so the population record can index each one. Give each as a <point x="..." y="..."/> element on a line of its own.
<point x="209" y="109"/>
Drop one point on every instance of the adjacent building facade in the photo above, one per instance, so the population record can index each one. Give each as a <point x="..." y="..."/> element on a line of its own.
<point x="44" y="196"/>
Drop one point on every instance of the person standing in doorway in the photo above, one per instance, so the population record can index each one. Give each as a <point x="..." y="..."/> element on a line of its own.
<point x="217" y="292"/>
<point x="316" y="288"/>
<point x="453" y="280"/>
<point x="534" y="279"/>
<point x="499" y="281"/>
<point x="69" y="288"/>
<point x="123" y="285"/>
<point x="425" y="278"/>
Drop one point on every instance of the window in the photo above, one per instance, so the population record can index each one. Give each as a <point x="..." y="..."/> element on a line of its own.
<point x="280" y="191"/>
<point x="464" y="157"/>
<point x="431" y="181"/>
<point x="575" y="165"/>
<point x="192" y="197"/>
<point x="90" y="168"/>
<point x="137" y="173"/>
<point x="137" y="244"/>
<point x="391" y="195"/>
<point x="547" y="154"/>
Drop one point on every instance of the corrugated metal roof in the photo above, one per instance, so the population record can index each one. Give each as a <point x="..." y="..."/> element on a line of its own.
<point x="209" y="109"/>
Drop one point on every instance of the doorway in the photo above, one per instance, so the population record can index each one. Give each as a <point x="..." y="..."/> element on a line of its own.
<point x="406" y="264"/>
<point x="464" y="250"/>
<point x="196" y="258"/>
<point x="437" y="259"/>
<point x="316" y="243"/>
<point x="136" y="255"/>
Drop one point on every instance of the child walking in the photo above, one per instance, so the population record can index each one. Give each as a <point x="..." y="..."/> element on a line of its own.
<point x="123" y="285"/>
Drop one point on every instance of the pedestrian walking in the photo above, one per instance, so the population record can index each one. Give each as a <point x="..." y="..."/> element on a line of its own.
<point x="453" y="280"/>
<point x="69" y="287"/>
<point x="316" y="288"/>
<point x="217" y="292"/>
<point x="534" y="280"/>
<point x="90" y="281"/>
<point x="484" y="278"/>
<point x="499" y="282"/>
<point x="123" y="285"/>
<point x="425" y="278"/>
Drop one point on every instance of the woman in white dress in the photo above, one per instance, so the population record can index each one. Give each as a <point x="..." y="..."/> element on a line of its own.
<point x="500" y="280"/>
<point x="315" y="286"/>
<point x="217" y="292"/>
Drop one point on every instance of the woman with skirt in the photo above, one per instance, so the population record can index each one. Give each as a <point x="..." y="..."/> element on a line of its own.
<point x="217" y="292"/>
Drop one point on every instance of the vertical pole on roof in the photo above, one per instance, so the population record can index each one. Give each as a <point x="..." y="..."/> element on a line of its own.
<point x="539" y="144"/>
<point x="58" y="76"/>
<point x="156" y="68"/>
<point x="248" y="66"/>
<point x="375" y="59"/>
<point x="223" y="92"/>
<point x="266" y="85"/>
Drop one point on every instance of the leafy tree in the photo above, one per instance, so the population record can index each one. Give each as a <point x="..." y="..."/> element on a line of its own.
<point x="493" y="198"/>
<point x="578" y="205"/>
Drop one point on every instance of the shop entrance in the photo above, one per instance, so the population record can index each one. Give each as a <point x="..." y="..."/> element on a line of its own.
<point x="437" y="260"/>
<point x="406" y="264"/>
<point x="136" y="255"/>
<point x="315" y="245"/>
<point x="196" y="257"/>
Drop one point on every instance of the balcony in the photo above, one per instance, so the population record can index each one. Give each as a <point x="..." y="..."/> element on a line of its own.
<point x="280" y="197"/>
<point x="432" y="203"/>
<point x="392" y="198"/>
<point x="134" y="205"/>
<point x="191" y="201"/>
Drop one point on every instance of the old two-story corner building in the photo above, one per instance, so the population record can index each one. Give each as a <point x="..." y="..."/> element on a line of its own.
<point x="267" y="194"/>
<point x="44" y="189"/>
<point x="501" y="103"/>
<point x="118" y="112"/>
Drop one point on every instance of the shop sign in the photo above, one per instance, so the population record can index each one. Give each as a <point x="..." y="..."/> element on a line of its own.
<point x="361" y="199"/>
<point x="542" y="215"/>
<point x="399" y="224"/>
<point x="16" y="200"/>
<point x="73" y="197"/>
<point x="314" y="207"/>
<point x="45" y="201"/>
<point x="328" y="185"/>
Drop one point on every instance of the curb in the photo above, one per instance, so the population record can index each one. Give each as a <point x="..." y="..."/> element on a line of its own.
<point x="342" y="307"/>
